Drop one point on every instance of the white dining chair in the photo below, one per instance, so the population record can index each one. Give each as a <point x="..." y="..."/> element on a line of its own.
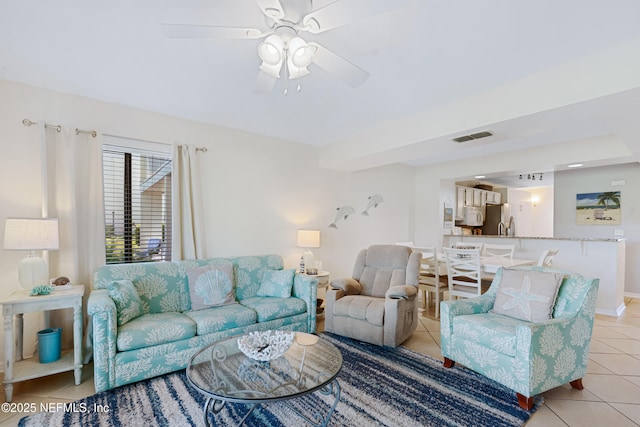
<point x="464" y="272"/>
<point x="430" y="281"/>
<point x="504" y="251"/>
<point x="546" y="259"/>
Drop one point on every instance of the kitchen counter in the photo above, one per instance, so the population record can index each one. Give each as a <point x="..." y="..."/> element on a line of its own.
<point x="578" y="239"/>
<point x="592" y="257"/>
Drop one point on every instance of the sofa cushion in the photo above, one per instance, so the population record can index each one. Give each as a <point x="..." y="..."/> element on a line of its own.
<point x="527" y="295"/>
<point x="127" y="300"/>
<point x="153" y="329"/>
<point x="269" y="308"/>
<point x="361" y="307"/>
<point x="276" y="283"/>
<point x="489" y="330"/>
<point x="211" y="286"/>
<point x="162" y="286"/>
<point x="248" y="271"/>
<point x="221" y="318"/>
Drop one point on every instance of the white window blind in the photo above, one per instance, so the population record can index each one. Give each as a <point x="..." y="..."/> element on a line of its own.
<point x="137" y="199"/>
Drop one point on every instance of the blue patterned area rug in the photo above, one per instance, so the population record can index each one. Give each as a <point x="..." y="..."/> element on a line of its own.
<point x="380" y="387"/>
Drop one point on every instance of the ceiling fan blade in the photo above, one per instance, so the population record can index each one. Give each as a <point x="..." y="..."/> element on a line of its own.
<point x="342" y="12"/>
<point x="188" y="31"/>
<point x="272" y="8"/>
<point x="264" y="83"/>
<point x="346" y="71"/>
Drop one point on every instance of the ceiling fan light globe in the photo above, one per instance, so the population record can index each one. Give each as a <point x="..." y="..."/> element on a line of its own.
<point x="303" y="56"/>
<point x="296" y="72"/>
<point x="300" y="52"/>
<point x="270" y="50"/>
<point x="272" y="70"/>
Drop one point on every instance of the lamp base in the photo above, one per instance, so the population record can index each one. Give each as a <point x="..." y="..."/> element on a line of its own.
<point x="32" y="271"/>
<point x="309" y="260"/>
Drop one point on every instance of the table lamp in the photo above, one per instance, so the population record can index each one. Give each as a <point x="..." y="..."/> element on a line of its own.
<point x="308" y="239"/>
<point x="31" y="234"/>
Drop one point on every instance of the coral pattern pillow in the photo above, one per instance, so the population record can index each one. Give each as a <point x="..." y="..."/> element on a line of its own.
<point x="527" y="295"/>
<point x="277" y="283"/>
<point x="211" y="286"/>
<point x="128" y="302"/>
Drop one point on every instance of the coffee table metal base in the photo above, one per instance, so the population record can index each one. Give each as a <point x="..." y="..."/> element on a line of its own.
<point x="214" y="406"/>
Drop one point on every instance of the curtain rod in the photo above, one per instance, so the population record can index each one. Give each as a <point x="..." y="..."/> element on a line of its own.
<point x="203" y="149"/>
<point x="58" y="128"/>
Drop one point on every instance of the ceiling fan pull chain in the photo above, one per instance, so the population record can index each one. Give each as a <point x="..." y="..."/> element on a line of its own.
<point x="286" y="69"/>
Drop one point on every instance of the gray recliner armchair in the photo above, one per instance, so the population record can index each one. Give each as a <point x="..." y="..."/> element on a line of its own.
<point x="379" y="303"/>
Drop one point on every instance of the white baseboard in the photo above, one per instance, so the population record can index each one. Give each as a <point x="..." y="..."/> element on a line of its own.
<point x="613" y="313"/>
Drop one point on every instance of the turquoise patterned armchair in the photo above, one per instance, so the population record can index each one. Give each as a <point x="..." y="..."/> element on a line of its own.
<point x="527" y="357"/>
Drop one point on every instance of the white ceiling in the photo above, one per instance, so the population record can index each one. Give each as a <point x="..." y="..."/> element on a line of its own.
<point x="539" y="73"/>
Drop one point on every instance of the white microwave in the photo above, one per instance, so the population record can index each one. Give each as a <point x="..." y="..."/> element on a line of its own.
<point x="473" y="216"/>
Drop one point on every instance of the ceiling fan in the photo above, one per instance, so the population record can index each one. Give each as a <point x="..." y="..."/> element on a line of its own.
<point x="283" y="45"/>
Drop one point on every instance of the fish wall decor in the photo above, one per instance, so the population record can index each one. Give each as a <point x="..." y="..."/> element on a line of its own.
<point x="342" y="213"/>
<point x="372" y="203"/>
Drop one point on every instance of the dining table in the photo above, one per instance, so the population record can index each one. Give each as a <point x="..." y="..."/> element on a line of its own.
<point x="489" y="264"/>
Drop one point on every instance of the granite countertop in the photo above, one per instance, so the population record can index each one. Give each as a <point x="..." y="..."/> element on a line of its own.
<point x="577" y="239"/>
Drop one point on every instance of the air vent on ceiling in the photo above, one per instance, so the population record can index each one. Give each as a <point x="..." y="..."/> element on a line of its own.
<point x="478" y="135"/>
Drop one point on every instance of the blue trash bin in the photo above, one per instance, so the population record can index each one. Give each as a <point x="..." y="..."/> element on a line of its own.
<point x="49" y="344"/>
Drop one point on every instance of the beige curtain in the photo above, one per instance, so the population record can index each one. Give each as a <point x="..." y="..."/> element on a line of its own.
<point x="188" y="229"/>
<point x="75" y="197"/>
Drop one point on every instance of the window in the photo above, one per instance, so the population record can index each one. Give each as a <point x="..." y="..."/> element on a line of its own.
<point x="137" y="199"/>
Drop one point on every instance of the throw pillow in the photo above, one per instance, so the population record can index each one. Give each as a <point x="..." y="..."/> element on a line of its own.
<point x="128" y="302"/>
<point x="211" y="286"/>
<point x="527" y="295"/>
<point x="277" y="283"/>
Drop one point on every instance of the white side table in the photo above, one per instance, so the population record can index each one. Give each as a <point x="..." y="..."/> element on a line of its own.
<point x="323" y="282"/>
<point x="21" y="302"/>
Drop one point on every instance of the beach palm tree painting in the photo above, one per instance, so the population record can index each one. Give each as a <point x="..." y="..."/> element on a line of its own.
<point x="598" y="208"/>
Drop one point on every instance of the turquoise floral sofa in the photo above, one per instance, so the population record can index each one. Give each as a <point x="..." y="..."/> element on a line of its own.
<point x="136" y="337"/>
<point x="529" y="357"/>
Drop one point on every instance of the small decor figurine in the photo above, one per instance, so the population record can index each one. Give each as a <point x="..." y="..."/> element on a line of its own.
<point x="61" y="281"/>
<point x="302" y="265"/>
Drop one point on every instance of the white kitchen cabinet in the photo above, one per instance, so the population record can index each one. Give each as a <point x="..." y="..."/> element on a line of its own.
<point x="468" y="196"/>
<point x="477" y="197"/>
<point x="493" y="198"/>
<point x="460" y="197"/>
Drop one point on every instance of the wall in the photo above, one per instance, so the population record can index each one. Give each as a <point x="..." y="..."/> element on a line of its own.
<point x="593" y="180"/>
<point x="542" y="212"/>
<point x="257" y="191"/>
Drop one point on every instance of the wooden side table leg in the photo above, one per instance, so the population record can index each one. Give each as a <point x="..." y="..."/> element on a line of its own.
<point x="8" y="353"/>
<point x="19" y="336"/>
<point x="77" y="341"/>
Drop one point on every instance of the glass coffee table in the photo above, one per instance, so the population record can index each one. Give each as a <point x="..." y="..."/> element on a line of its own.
<point x="223" y="373"/>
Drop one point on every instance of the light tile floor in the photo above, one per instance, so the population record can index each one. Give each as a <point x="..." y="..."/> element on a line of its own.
<point x="611" y="395"/>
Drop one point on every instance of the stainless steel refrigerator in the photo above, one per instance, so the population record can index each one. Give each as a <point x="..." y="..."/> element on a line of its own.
<point x="492" y="217"/>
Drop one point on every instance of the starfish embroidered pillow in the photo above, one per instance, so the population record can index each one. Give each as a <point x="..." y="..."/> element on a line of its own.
<point x="527" y="295"/>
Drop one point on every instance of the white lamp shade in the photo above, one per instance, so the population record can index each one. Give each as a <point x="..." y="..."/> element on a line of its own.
<point x="270" y="50"/>
<point x="272" y="70"/>
<point x="300" y="52"/>
<point x="31" y="234"/>
<point x="308" y="238"/>
<point x="296" y="72"/>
